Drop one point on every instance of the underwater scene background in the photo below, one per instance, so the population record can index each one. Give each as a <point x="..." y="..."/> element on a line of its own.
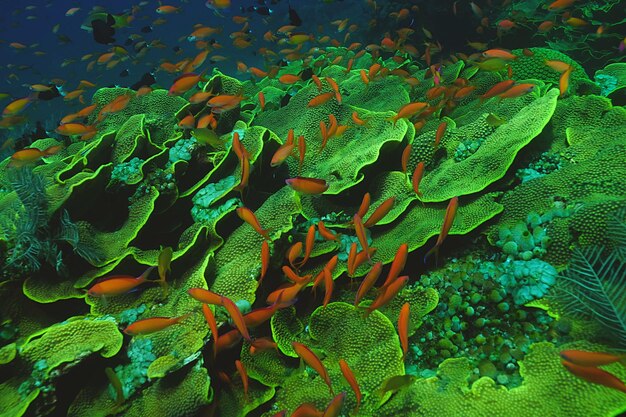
<point x="313" y="208"/>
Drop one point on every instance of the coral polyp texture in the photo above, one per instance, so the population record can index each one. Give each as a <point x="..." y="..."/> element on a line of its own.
<point x="358" y="231"/>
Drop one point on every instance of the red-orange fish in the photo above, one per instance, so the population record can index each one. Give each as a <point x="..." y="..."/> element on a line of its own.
<point x="118" y="284"/>
<point x="244" y="378"/>
<point x="403" y="328"/>
<point x="153" y="324"/>
<point x="31" y="155"/>
<point x="307" y="185"/>
<point x="237" y="317"/>
<point x="595" y="375"/>
<point x="368" y="282"/>
<point x="445" y="227"/>
<point x="313" y="361"/>
<point x="380" y="212"/>
<point x="349" y="376"/>
<point x="205" y="296"/>
<point x="584" y="358"/>
<point x="249" y="217"/>
<point x="210" y="319"/>
<point x="184" y="83"/>
<point x="417" y="177"/>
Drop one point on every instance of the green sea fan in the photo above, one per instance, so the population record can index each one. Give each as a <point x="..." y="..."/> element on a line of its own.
<point x="594" y="286"/>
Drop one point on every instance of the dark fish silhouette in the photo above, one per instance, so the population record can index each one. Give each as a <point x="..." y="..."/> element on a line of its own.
<point x="103" y="31"/>
<point x="294" y="19"/>
<point x="146" y="80"/>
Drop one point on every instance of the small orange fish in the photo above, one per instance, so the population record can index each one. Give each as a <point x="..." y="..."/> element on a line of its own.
<point x="365" y="205"/>
<point x="261" y="100"/>
<point x="499" y="88"/>
<point x="31" y="155"/>
<point x="441" y="131"/>
<point x="294" y="253"/>
<point x="360" y="233"/>
<point x="356" y="119"/>
<point x="349" y="376"/>
<point x="324" y="232"/>
<point x="71" y="129"/>
<point x="406" y="154"/>
<point x="560" y="4"/>
<point x="417" y="177"/>
<point x="368" y="282"/>
<point x="184" y="83"/>
<point x="118" y="284"/>
<point x="408" y="110"/>
<point x="283" y="152"/>
<point x="237" y="317"/>
<point x="388" y="293"/>
<point x="16" y="106"/>
<point x="403" y="328"/>
<point x="249" y="217"/>
<point x="499" y="53"/>
<point x="595" y="375"/>
<point x="227" y="340"/>
<point x="307" y="185"/>
<point x="301" y="152"/>
<point x="308" y="246"/>
<point x="399" y="261"/>
<point x="321" y="99"/>
<point x="205" y="296"/>
<point x="445" y="227"/>
<point x="584" y="358"/>
<point x="289" y="79"/>
<point x="313" y="361"/>
<point x="265" y="260"/>
<point x="564" y="82"/>
<point x="518" y="90"/>
<point x="380" y="212"/>
<point x="167" y="9"/>
<point x="557" y="65"/>
<point x="152" y="325"/>
<point x="224" y="102"/>
<point x="210" y="319"/>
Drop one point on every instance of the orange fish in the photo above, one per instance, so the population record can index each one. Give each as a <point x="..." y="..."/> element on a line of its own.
<point x="306" y="410"/>
<point x="16" y="106"/>
<point x="200" y="97"/>
<point x="184" y="83"/>
<point x="153" y="324"/>
<point x="406" y="154"/>
<point x="259" y="316"/>
<point x="518" y="90"/>
<point x="289" y="79"/>
<point x="265" y="260"/>
<point x="388" y="293"/>
<point x="351" y="259"/>
<point x="560" y="4"/>
<point x="205" y="296"/>
<point x="31" y="155"/>
<point x="403" y="328"/>
<point x="564" y="82"/>
<point x="417" y="177"/>
<point x="261" y="100"/>
<point x="595" y="375"/>
<point x="244" y="378"/>
<point x="307" y="185"/>
<point x="324" y="232"/>
<point x="365" y="205"/>
<point x="313" y="361"/>
<point x="249" y="217"/>
<point x="294" y="253"/>
<point x="380" y="212"/>
<point x="227" y="340"/>
<point x="118" y="284"/>
<point x="499" y="53"/>
<point x="441" y="131"/>
<point x="408" y="110"/>
<point x="308" y="247"/>
<point x="584" y="358"/>
<point x="445" y="227"/>
<point x="321" y="99"/>
<point x="360" y="233"/>
<point x="499" y="88"/>
<point x="237" y="317"/>
<point x="210" y="319"/>
<point x="368" y="282"/>
<point x="301" y="152"/>
<point x="282" y="153"/>
<point x="356" y="119"/>
<point x="262" y="343"/>
<point x="167" y="9"/>
<point x="225" y="102"/>
<point x="349" y="376"/>
<point x="399" y="261"/>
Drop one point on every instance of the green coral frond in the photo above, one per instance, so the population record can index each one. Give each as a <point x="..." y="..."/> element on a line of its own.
<point x="595" y="285"/>
<point x="616" y="230"/>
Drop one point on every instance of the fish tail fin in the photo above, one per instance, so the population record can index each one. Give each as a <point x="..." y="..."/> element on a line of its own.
<point x="184" y="317"/>
<point x="146" y="273"/>
<point x="435" y="250"/>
